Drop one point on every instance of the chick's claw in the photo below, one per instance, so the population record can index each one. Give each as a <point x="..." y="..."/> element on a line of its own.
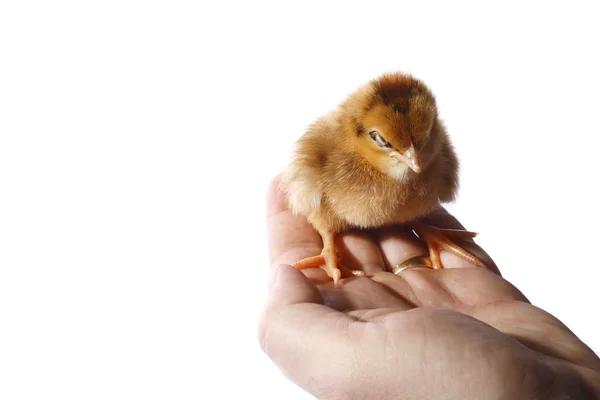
<point x="440" y="239"/>
<point x="321" y="261"/>
<point x="328" y="261"/>
<point x="334" y="271"/>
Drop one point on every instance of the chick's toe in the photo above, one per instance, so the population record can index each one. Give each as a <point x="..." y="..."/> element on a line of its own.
<point x="328" y="261"/>
<point x="441" y="239"/>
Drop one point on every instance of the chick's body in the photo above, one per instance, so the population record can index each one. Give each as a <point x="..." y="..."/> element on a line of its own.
<point x="337" y="189"/>
<point x="382" y="158"/>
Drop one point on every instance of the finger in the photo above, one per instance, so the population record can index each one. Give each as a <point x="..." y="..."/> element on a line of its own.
<point x="397" y="284"/>
<point x="359" y="251"/>
<point x="363" y="294"/>
<point x="538" y="330"/>
<point x="460" y="289"/>
<point x="398" y="245"/>
<point x="291" y="238"/>
<point x="476" y="287"/>
<point x="300" y="334"/>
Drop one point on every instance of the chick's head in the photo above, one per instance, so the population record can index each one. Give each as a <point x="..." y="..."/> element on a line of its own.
<point x="394" y="116"/>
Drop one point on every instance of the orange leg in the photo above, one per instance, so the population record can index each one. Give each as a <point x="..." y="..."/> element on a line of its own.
<point x="328" y="260"/>
<point x="439" y="239"/>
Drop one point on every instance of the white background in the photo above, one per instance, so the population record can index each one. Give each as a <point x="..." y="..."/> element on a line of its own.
<point x="137" y="140"/>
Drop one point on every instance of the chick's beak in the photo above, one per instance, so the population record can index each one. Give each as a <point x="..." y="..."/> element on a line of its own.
<point x="411" y="158"/>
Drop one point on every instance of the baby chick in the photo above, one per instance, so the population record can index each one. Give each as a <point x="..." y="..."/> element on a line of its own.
<point x="381" y="158"/>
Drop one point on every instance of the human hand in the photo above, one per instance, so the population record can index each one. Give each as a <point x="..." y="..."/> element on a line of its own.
<point x="457" y="333"/>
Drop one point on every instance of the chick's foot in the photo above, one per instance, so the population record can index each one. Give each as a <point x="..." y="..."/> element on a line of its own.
<point x="328" y="261"/>
<point x="440" y="239"/>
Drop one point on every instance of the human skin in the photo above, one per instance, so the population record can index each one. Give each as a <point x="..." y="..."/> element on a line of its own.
<point x="462" y="332"/>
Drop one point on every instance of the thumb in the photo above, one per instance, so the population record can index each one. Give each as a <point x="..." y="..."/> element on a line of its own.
<point x="303" y="337"/>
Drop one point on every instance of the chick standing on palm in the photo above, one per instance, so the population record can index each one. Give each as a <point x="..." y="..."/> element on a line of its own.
<point x="382" y="158"/>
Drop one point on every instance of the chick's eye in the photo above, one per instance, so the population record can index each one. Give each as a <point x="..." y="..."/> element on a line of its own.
<point x="378" y="139"/>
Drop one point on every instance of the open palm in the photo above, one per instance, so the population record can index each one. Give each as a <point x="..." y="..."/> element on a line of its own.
<point x="462" y="332"/>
